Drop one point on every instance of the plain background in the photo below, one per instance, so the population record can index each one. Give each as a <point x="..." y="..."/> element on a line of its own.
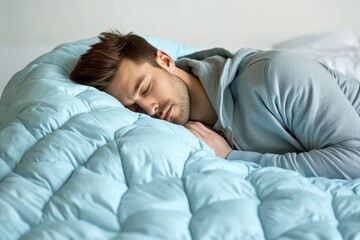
<point x="32" y="27"/>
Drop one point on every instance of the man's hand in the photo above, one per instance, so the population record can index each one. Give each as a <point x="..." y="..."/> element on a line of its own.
<point x="213" y="139"/>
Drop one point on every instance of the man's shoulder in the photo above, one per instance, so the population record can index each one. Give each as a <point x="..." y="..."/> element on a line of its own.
<point x="276" y="60"/>
<point x="264" y="55"/>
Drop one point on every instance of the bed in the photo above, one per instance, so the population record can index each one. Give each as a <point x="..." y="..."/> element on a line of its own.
<point x="75" y="164"/>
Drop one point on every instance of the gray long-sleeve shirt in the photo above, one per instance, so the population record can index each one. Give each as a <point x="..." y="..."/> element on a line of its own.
<point x="279" y="109"/>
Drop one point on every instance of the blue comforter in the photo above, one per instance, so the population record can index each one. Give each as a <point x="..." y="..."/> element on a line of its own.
<point x="75" y="164"/>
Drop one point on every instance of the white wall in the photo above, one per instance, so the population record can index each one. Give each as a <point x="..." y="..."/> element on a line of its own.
<point x="41" y="24"/>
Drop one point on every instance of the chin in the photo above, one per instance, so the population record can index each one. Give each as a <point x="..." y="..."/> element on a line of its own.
<point x="182" y="118"/>
<point x="180" y="121"/>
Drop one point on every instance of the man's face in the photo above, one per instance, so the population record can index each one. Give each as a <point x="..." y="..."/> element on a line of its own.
<point x="154" y="91"/>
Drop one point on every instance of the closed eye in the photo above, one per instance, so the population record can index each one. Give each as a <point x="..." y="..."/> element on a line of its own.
<point x="146" y="91"/>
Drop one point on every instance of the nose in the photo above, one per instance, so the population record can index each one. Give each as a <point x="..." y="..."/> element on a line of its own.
<point x="148" y="107"/>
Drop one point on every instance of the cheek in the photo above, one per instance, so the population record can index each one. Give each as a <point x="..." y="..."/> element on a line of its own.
<point x="164" y="89"/>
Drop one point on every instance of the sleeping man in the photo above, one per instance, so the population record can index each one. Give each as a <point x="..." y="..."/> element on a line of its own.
<point x="272" y="108"/>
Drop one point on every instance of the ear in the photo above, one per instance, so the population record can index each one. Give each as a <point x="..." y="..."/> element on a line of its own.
<point x="165" y="60"/>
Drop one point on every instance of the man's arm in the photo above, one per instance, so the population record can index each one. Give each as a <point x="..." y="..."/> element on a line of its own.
<point x="316" y="112"/>
<point x="307" y="99"/>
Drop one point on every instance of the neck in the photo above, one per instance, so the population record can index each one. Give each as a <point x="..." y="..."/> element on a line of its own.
<point x="201" y="109"/>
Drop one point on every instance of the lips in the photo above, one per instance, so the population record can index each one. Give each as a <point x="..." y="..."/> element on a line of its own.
<point x="167" y="114"/>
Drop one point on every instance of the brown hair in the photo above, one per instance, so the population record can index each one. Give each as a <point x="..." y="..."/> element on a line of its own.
<point x="99" y="64"/>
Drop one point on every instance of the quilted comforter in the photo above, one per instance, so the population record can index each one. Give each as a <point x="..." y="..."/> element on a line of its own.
<point x="75" y="164"/>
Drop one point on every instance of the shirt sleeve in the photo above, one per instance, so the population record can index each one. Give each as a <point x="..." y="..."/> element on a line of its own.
<point x="307" y="98"/>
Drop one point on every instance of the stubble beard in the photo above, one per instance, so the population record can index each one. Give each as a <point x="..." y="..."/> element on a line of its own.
<point x="183" y="101"/>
